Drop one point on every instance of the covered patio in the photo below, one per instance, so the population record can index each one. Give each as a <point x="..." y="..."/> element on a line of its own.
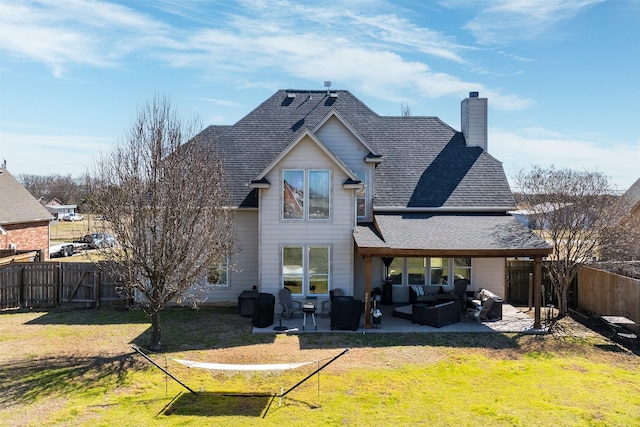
<point x="429" y="234"/>
<point x="514" y="320"/>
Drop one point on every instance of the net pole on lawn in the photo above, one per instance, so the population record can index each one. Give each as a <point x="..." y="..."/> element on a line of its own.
<point x="313" y="373"/>
<point x="137" y="349"/>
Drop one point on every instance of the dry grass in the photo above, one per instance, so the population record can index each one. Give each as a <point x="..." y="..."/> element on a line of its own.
<point x="77" y="368"/>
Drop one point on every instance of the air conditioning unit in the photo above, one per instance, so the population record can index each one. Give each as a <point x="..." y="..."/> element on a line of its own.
<point x="12" y="245"/>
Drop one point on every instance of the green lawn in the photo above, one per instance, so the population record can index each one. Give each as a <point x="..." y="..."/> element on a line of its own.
<point x="77" y="368"/>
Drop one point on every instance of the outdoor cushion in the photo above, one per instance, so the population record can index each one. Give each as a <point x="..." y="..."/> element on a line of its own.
<point x="418" y="290"/>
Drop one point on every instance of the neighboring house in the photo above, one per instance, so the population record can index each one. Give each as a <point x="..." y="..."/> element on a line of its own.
<point x="24" y="222"/>
<point x="534" y="218"/>
<point x="58" y="210"/>
<point x="326" y="192"/>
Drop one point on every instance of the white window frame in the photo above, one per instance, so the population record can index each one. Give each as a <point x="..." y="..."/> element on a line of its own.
<point x="305" y="200"/>
<point x="222" y="267"/>
<point x="306" y="274"/>
<point x="450" y="271"/>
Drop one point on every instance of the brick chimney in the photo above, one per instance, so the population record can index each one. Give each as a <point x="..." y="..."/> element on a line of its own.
<point x="474" y="120"/>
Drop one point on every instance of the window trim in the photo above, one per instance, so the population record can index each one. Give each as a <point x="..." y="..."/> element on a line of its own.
<point x="225" y="268"/>
<point x="306" y="193"/>
<point x="306" y="274"/>
<point x="450" y="271"/>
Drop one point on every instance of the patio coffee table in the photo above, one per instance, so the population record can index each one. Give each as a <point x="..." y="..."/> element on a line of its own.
<point x="436" y="315"/>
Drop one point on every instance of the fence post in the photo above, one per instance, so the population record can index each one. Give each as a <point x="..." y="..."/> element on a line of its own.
<point x="59" y="285"/>
<point x="21" y="287"/>
<point x="530" y="290"/>
<point x="96" y="287"/>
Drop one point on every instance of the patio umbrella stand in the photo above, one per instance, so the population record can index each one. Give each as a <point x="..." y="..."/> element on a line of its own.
<point x="280" y="327"/>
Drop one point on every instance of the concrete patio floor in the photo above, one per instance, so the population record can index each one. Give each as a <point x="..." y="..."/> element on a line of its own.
<point x="514" y="320"/>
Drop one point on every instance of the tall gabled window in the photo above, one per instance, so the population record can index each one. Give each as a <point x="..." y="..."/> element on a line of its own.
<point x="318" y="195"/>
<point x="306" y="194"/>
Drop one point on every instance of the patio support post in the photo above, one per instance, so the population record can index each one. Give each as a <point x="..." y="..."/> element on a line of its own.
<point x="537" y="291"/>
<point x="367" y="292"/>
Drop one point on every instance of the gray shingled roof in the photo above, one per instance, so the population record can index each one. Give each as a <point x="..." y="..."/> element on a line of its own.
<point x="17" y="205"/>
<point x="426" y="162"/>
<point x="460" y="233"/>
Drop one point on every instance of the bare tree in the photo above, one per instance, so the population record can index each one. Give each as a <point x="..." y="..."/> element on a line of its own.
<point x="164" y="197"/>
<point x="575" y="211"/>
<point x="65" y="188"/>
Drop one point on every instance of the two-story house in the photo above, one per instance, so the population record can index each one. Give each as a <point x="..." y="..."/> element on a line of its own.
<point x="328" y="194"/>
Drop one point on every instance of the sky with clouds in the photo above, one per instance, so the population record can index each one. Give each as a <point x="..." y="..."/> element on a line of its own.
<point x="561" y="76"/>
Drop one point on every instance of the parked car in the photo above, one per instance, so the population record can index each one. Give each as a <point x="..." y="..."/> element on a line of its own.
<point x="99" y="240"/>
<point x="72" y="217"/>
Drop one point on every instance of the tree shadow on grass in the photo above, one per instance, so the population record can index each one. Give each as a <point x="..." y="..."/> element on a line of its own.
<point x="89" y="316"/>
<point x="182" y="328"/>
<point x="22" y="382"/>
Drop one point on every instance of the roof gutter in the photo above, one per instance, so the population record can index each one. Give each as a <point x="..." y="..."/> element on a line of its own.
<point x="404" y="209"/>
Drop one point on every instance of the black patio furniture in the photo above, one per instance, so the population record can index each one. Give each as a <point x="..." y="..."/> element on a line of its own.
<point x="346" y="312"/>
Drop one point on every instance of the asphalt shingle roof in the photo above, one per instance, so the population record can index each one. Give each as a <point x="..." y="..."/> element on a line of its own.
<point x="17" y="205"/>
<point x="461" y="232"/>
<point x="426" y="163"/>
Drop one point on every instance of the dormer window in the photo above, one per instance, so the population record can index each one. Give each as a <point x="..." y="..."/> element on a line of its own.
<point x="305" y="194"/>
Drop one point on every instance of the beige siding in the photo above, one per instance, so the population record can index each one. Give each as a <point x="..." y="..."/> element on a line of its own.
<point x="343" y="143"/>
<point x="346" y="146"/>
<point x="336" y="232"/>
<point x="243" y="274"/>
<point x="489" y="273"/>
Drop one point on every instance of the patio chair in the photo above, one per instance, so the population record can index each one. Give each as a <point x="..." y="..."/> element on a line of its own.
<point x="337" y="292"/>
<point x="289" y="305"/>
<point x="460" y="291"/>
<point x="480" y="313"/>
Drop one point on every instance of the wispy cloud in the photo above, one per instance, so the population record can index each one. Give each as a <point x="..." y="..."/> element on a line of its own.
<point x="75" y="32"/>
<point x="220" y="102"/>
<point x="376" y="52"/>
<point x="503" y="21"/>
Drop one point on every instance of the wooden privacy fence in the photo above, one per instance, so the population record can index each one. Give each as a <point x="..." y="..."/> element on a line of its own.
<point x="519" y="291"/>
<point x="48" y="284"/>
<point x="605" y="293"/>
